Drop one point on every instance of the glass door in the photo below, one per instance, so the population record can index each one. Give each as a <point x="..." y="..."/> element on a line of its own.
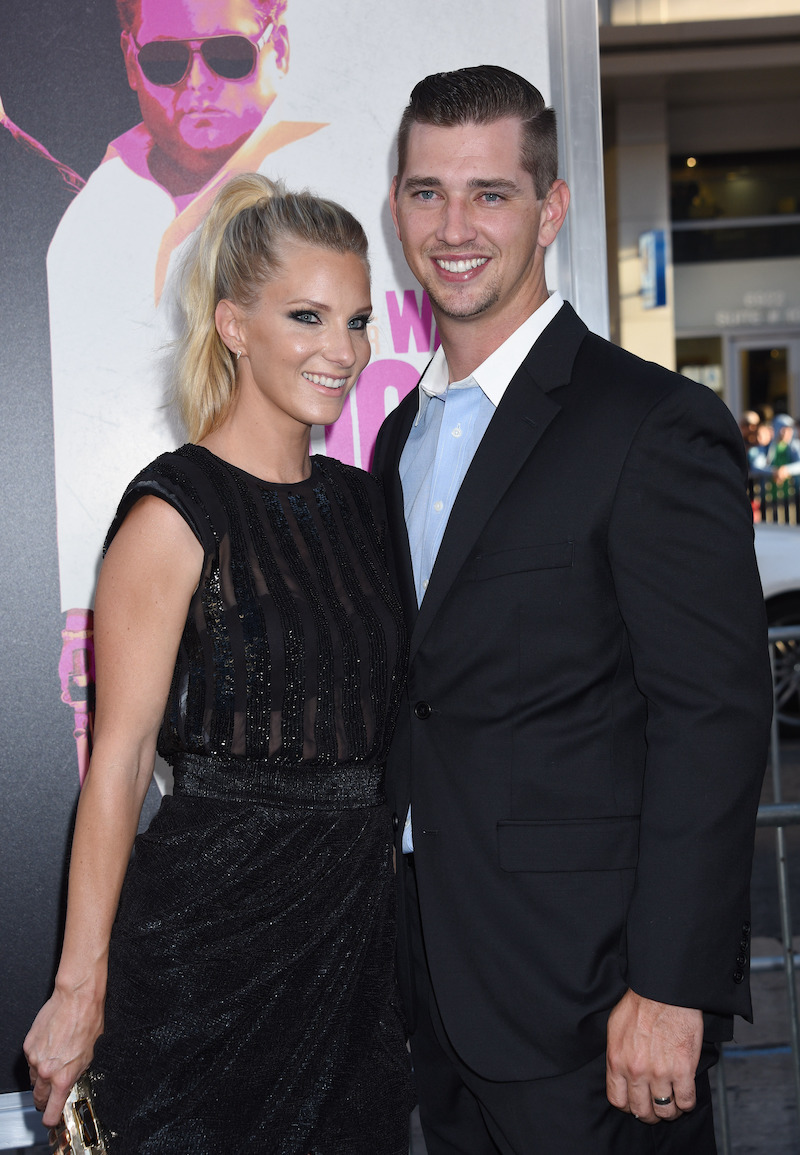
<point x="763" y="373"/>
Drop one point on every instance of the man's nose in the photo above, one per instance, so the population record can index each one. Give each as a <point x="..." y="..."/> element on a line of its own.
<point x="199" y="74"/>
<point x="456" y="225"/>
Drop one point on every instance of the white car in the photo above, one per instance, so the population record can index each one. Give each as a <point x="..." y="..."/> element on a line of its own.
<point x="778" y="554"/>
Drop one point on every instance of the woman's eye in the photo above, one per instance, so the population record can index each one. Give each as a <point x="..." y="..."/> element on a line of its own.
<point x="306" y="318"/>
<point x="358" y="322"/>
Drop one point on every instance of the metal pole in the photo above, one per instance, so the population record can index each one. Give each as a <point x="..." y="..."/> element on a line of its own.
<point x="783" y="896"/>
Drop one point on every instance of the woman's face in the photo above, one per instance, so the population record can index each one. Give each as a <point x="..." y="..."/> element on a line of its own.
<point x="305" y="343"/>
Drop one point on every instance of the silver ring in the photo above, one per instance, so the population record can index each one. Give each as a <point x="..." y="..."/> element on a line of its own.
<point x="663" y="1102"/>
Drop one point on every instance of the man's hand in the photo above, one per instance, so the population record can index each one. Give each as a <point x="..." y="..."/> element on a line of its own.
<point x="652" y="1053"/>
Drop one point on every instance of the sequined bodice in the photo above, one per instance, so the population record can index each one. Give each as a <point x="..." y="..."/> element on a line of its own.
<point x="294" y="647"/>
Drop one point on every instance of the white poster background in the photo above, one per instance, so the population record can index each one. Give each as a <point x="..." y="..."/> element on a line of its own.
<point x="352" y="68"/>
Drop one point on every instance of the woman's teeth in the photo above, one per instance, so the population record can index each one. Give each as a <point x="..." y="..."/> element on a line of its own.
<point x="328" y="382"/>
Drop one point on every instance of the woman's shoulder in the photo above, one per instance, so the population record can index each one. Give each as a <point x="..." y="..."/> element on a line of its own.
<point x="358" y="489"/>
<point x="352" y="475"/>
<point x="180" y="478"/>
<point x="175" y="465"/>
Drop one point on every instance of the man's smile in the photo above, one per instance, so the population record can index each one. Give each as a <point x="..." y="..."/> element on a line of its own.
<point x="461" y="265"/>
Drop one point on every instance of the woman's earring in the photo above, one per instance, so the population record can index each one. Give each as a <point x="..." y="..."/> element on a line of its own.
<point x="238" y="354"/>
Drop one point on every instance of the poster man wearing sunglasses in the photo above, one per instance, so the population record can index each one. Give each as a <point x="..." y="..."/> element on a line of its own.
<point x="202" y="95"/>
<point x="205" y="73"/>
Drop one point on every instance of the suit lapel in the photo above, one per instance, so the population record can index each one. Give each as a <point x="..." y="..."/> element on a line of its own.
<point x="389" y="469"/>
<point x="522" y="417"/>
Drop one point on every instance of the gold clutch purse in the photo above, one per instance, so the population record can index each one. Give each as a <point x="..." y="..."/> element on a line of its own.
<point x="78" y="1132"/>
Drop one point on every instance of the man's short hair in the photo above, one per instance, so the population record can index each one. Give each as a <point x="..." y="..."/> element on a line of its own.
<point x="481" y="95"/>
<point x="128" y="11"/>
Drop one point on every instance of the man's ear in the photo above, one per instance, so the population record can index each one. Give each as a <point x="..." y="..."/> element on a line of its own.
<point x="280" y="42"/>
<point x="229" y="326"/>
<point x="131" y="66"/>
<point x="393" y="206"/>
<point x="553" y="213"/>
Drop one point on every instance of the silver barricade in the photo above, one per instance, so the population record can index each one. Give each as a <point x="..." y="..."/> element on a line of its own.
<point x="778" y="814"/>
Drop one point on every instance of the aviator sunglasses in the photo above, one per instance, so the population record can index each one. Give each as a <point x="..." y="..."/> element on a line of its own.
<point x="167" y="62"/>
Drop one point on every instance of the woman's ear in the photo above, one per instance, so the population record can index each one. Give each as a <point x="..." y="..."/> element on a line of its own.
<point x="229" y="326"/>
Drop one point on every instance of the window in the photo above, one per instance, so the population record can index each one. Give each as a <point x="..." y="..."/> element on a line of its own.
<point x="735" y="206"/>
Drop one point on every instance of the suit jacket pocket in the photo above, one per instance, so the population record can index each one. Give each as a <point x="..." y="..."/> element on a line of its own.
<point x="557" y="555"/>
<point x="585" y="844"/>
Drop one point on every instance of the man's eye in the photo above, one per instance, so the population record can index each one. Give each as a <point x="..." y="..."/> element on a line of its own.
<point x="426" y="194"/>
<point x="307" y="318"/>
<point x="492" y="198"/>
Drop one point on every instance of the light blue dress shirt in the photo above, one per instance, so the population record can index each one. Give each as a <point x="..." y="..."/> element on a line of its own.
<point x="436" y="457"/>
<point x="450" y="423"/>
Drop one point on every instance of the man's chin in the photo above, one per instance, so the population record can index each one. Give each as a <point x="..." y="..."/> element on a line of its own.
<point x="461" y="308"/>
<point x="203" y="143"/>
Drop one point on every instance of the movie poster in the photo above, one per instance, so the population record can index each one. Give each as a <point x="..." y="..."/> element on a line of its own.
<point x="111" y="153"/>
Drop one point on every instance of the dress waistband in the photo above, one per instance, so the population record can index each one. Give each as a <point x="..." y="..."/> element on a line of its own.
<point x="245" y="780"/>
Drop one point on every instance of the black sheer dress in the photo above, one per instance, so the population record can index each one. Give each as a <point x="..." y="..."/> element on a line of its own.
<point x="251" y="1002"/>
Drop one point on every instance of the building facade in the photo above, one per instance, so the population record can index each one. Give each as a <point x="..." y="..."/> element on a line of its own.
<point x="701" y="125"/>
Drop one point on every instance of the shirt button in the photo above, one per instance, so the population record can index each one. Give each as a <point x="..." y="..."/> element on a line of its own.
<point x="438" y="506"/>
<point x="424" y="583"/>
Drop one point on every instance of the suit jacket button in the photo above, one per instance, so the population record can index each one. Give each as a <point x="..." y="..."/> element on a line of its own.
<point x="395" y="823"/>
<point x="422" y="711"/>
<point x="745" y="928"/>
<point x="738" y="977"/>
<point x="741" y="960"/>
<point x="744" y="944"/>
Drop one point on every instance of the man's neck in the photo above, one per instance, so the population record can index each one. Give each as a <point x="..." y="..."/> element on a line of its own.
<point x="180" y="181"/>
<point x="466" y="342"/>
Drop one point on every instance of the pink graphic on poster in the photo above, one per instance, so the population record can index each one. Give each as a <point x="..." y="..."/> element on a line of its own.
<point x="384" y="383"/>
<point x="76" y="671"/>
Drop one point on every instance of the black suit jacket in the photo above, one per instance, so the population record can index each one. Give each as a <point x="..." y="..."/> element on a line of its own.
<point x="588" y="705"/>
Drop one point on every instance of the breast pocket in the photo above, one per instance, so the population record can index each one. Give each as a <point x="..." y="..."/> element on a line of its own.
<point x="548" y="555"/>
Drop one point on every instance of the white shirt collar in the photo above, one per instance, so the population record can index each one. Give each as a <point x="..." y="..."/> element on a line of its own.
<point x="495" y="373"/>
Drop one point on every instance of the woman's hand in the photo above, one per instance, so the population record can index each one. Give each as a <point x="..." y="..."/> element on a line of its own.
<point x="59" y="1047"/>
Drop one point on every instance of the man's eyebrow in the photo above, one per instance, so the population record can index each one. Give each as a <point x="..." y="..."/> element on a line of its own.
<point x="415" y="183"/>
<point x="496" y="184"/>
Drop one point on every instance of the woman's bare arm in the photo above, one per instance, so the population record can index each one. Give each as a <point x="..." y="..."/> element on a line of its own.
<point x="146" y="583"/>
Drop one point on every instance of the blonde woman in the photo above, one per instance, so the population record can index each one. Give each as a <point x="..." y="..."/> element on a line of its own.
<point x="232" y="988"/>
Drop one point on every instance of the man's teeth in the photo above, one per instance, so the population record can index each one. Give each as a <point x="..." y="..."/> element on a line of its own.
<point x="328" y="382"/>
<point x="461" y="266"/>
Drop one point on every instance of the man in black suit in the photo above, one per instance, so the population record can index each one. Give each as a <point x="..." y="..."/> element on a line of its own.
<point x="576" y="771"/>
